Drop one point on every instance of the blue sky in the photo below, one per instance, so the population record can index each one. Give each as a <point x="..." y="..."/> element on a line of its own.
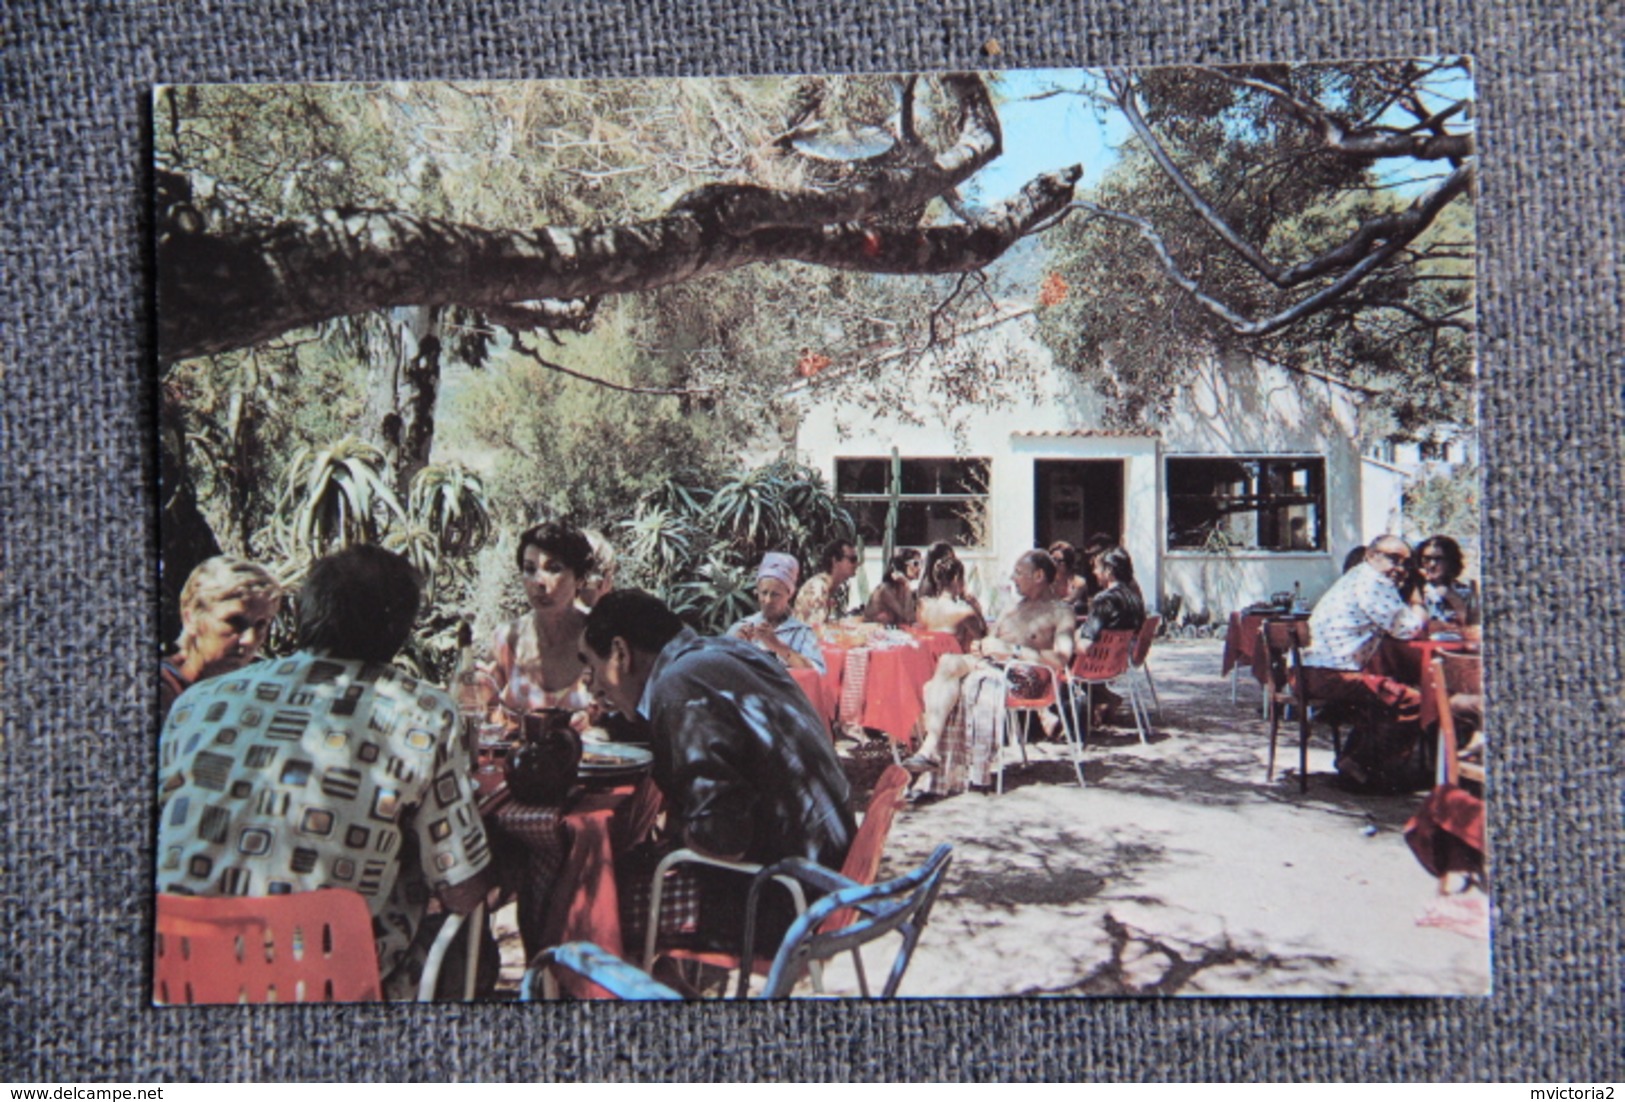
<point x="1046" y="134"/>
<point x="1041" y="135"/>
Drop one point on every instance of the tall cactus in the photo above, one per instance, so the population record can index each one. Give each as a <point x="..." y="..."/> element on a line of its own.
<point x="893" y="499"/>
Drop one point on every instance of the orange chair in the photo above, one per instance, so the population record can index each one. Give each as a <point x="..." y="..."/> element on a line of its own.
<point x="1106" y="660"/>
<point x="304" y="947"/>
<point x="861" y="865"/>
<point x="1013" y="718"/>
<point x="1142" y="652"/>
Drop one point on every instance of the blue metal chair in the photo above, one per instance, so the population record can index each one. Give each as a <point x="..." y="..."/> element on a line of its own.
<point x="901" y="905"/>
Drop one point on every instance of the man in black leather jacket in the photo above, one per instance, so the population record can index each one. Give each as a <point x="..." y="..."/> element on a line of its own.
<point x="746" y="765"/>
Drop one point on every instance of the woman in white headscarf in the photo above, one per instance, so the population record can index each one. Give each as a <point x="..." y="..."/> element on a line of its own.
<point x="774" y="629"/>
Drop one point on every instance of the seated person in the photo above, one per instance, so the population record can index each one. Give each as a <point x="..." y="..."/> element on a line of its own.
<point x="325" y="768"/>
<point x="893" y="601"/>
<point x="1035" y="639"/>
<point x="823" y="598"/>
<point x="600" y="576"/>
<point x="1351" y="621"/>
<point x="1069" y="586"/>
<point x="934" y="554"/>
<point x="773" y="629"/>
<point x="744" y="762"/>
<point x="534" y="661"/>
<point x="1446" y="598"/>
<point x="950" y="607"/>
<point x="227" y="607"/>
<point x="1116" y="606"/>
<point x="1086" y="562"/>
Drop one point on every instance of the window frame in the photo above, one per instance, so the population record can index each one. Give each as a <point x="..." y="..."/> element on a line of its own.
<point x="1265" y="501"/>
<point x="957" y="499"/>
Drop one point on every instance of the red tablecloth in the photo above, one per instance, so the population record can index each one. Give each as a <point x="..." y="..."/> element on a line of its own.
<point x="560" y="863"/>
<point x="880" y="687"/>
<point x="1244" y="643"/>
<point x="813" y="684"/>
<point x="1406" y="659"/>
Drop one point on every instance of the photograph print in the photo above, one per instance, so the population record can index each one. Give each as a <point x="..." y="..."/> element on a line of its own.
<point x="912" y="535"/>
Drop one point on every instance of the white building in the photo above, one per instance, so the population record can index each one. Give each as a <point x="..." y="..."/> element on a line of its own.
<point x="1251" y="483"/>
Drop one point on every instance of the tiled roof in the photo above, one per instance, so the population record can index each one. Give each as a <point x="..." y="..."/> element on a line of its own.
<point x="1136" y="434"/>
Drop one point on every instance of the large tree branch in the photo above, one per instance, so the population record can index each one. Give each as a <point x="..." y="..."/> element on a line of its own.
<point x="231" y="288"/>
<point x="1239" y="323"/>
<point x="1379" y="233"/>
<point x="1367" y="141"/>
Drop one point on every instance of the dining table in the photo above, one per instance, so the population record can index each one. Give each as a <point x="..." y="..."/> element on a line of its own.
<point x="1406" y="660"/>
<point x="1244" y="644"/>
<point x="880" y="676"/>
<point x="558" y="863"/>
<point x="815" y="684"/>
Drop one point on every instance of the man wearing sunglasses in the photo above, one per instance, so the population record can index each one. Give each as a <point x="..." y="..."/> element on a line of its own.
<point x="823" y="598"/>
<point x="1350" y="623"/>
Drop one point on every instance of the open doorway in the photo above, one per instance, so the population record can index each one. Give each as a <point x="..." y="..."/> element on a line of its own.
<point x="1076" y="499"/>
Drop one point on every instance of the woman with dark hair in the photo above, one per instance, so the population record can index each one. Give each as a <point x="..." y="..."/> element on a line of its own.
<point x="1098" y="544"/>
<point x="893" y="601"/>
<point x="1068" y="587"/>
<point x="950" y="607"/>
<point x="1118" y="606"/>
<point x="1448" y="600"/>
<point x="536" y="663"/>
<point x="934" y="554"/>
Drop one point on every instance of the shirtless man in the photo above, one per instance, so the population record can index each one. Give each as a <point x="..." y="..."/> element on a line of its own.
<point x="1038" y="631"/>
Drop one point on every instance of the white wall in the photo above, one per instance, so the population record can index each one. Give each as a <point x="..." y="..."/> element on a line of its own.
<point x="1239" y="406"/>
<point x="1234" y="407"/>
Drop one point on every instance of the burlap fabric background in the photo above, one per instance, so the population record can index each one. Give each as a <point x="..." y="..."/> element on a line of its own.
<point x="79" y="543"/>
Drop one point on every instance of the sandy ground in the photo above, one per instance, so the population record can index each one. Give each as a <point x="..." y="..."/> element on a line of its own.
<point x="1181" y="870"/>
<point x="1178" y="870"/>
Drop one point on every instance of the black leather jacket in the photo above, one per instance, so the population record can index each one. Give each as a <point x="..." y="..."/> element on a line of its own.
<point x="743" y="759"/>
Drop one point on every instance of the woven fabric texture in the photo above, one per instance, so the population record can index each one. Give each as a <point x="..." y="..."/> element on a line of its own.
<point x="78" y="550"/>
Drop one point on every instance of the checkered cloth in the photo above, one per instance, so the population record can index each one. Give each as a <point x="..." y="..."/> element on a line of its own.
<point x="853" y="681"/>
<point x="970" y="739"/>
<point x="529" y="844"/>
<point x="680" y="900"/>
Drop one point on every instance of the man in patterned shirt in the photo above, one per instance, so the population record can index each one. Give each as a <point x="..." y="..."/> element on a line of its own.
<point x="1362" y="609"/>
<point x="327" y="769"/>
<point x="822" y="599"/>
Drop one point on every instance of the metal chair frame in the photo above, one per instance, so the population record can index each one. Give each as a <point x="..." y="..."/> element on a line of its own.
<point x="875" y="817"/>
<point x="1284" y="640"/>
<point x="1106" y="661"/>
<point x="901" y="905"/>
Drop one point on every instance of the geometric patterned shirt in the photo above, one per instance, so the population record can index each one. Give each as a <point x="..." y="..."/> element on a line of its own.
<point x="1352" y="616"/>
<point x="313" y="772"/>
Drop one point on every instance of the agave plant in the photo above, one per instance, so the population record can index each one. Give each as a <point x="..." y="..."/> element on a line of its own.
<point x="660" y="540"/>
<point x="339" y="495"/>
<point x="419" y="546"/>
<point x="716" y="597"/>
<point x="450" y="502"/>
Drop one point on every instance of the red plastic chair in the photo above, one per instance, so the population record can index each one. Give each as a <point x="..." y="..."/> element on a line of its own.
<point x="1142" y="652"/>
<point x="1013" y="720"/>
<point x="862" y="864"/>
<point x="303" y="947"/>
<point x="1104" y="661"/>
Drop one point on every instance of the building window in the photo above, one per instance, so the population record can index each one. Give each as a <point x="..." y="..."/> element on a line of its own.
<point x="940" y="499"/>
<point x="1246" y="503"/>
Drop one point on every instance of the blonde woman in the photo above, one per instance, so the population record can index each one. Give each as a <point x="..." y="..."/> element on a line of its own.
<point x="227" y="606"/>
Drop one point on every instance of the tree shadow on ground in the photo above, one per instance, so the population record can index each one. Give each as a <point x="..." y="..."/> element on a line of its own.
<point x="1047" y="870"/>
